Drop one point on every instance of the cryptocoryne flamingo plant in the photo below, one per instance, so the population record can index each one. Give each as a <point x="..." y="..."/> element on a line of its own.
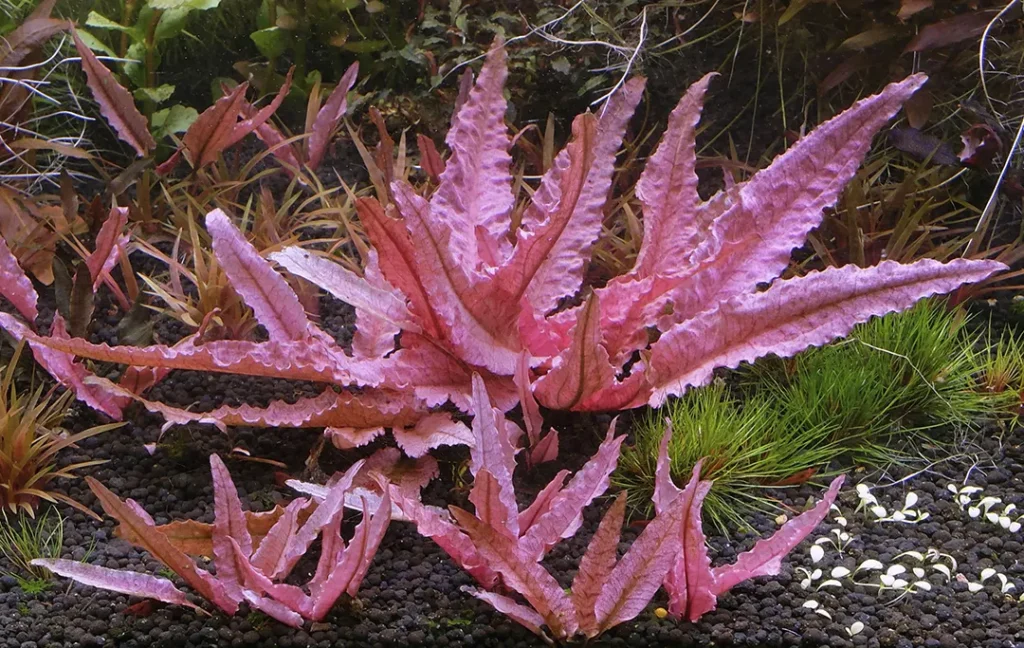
<point x="250" y="567"/>
<point x="450" y="289"/>
<point x="499" y="540"/>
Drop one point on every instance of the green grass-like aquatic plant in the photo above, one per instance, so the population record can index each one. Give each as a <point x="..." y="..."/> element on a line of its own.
<point x="747" y="447"/>
<point x="23" y="539"/>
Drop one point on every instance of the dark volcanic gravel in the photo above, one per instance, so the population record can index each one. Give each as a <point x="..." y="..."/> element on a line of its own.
<point x="412" y="596"/>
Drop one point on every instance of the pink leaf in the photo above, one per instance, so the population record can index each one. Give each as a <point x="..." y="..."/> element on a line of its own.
<point x="364" y="550"/>
<point x="492" y="453"/>
<point x="597" y="564"/>
<point x="636" y="578"/>
<point x="565" y="513"/>
<point x="475" y="188"/>
<point x="265" y="291"/>
<point x="273" y="609"/>
<point x="531" y="410"/>
<point x="329" y="116"/>
<point x="268" y="556"/>
<point x="432" y="523"/>
<point x="297" y="360"/>
<point x="347" y="286"/>
<point x="137" y="531"/>
<point x="795" y="314"/>
<point x="665" y="490"/>
<point x="752" y="240"/>
<point x="561" y="272"/>
<point x="521" y="614"/>
<point x="479" y="327"/>
<point x="546" y="450"/>
<point x="580" y="370"/>
<point x="542" y="502"/>
<point x="690" y="583"/>
<point x="547" y="262"/>
<point x="62" y="367"/>
<point x="429" y="432"/>
<point x="292" y="597"/>
<point x="228" y="522"/>
<point x="375" y="336"/>
<point x="15" y="284"/>
<point x="765" y="559"/>
<point x="321" y="517"/>
<point x="116" y="580"/>
<point x="668" y="191"/>
<point x="521" y="573"/>
<point x="249" y="124"/>
<point x="398" y="258"/>
<point x="108" y="245"/>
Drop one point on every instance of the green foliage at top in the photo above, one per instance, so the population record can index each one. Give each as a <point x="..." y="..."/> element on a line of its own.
<point x="864" y="400"/>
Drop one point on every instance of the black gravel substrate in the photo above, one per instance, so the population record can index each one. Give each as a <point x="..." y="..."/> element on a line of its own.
<point x="412" y="596"/>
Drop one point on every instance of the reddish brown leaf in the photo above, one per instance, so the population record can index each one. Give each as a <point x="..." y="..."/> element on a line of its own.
<point x="950" y="31"/>
<point x="910" y="7"/>
<point x="981" y="145"/>
<point x="116" y="103"/>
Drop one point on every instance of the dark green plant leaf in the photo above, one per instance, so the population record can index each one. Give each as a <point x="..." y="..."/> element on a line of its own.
<point x="135" y="328"/>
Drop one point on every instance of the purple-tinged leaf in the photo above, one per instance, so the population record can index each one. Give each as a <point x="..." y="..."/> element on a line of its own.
<point x="665" y="490"/>
<point x="752" y="240"/>
<point x="521" y="573"/>
<point x="139" y="533"/>
<point x="548" y="260"/>
<point x="313" y="360"/>
<point x="542" y="502"/>
<point x="347" y="286"/>
<point x="561" y="272"/>
<point x="476" y="324"/>
<point x="328" y="117"/>
<point x="273" y="609"/>
<point x="116" y="580"/>
<point x="597" y="564"/>
<point x="432" y="523"/>
<point x="580" y="370"/>
<point x="429" y="432"/>
<point x="765" y="559"/>
<point x="667" y="188"/>
<point x="398" y="258"/>
<point x="531" y="410"/>
<point x="492" y="452"/>
<point x="116" y="103"/>
<point x="109" y="245"/>
<point x="15" y="285"/>
<point x="795" y="314"/>
<point x="30" y="35"/>
<point x="141" y="512"/>
<point x="272" y="300"/>
<point x="476" y="187"/>
<point x="636" y="578"/>
<point x="268" y="556"/>
<point x="62" y="366"/>
<point x="321" y="517"/>
<point x="228" y="522"/>
<point x="521" y="614"/>
<point x="565" y="513"/>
